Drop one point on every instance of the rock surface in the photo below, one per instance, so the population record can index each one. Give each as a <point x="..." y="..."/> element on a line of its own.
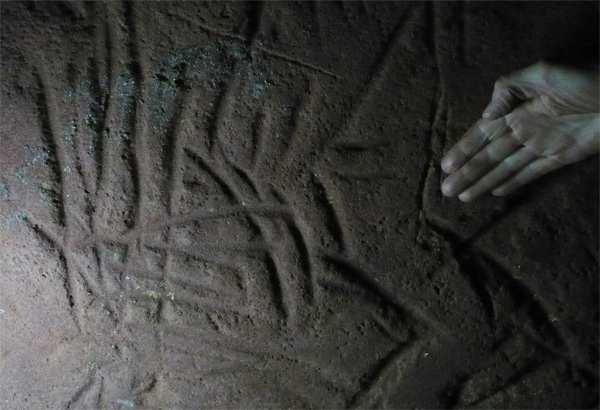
<point x="209" y="205"/>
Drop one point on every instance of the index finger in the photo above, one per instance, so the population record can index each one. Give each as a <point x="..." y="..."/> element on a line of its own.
<point x="511" y="90"/>
<point x="477" y="137"/>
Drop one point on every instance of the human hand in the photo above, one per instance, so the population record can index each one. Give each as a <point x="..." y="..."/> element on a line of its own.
<point x="539" y="119"/>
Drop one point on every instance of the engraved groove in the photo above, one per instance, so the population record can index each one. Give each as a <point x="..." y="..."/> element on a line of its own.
<point x="103" y="101"/>
<point x="281" y="297"/>
<point x="299" y="106"/>
<point x="156" y="225"/>
<point x="532" y="308"/>
<point x="232" y="269"/>
<point x="260" y="129"/>
<point x="137" y="127"/>
<point x="303" y="110"/>
<point x="101" y="144"/>
<point x="375" y="77"/>
<point x="82" y="391"/>
<point x="374" y="377"/>
<point x="333" y="220"/>
<point x="255" y="16"/>
<point x="222" y="109"/>
<point x="269" y="52"/>
<point x="305" y="259"/>
<point x="438" y="110"/>
<point x="354" y="272"/>
<point x="371" y="143"/>
<point x="298" y="62"/>
<point x="204" y="165"/>
<point x="53" y="144"/>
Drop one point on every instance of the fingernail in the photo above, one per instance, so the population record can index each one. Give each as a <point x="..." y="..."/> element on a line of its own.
<point x="465" y="197"/>
<point x="487" y="111"/>
<point x="447" y="165"/>
<point x="446" y="189"/>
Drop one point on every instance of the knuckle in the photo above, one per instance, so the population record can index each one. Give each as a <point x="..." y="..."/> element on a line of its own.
<point x="467" y="170"/>
<point x="501" y="81"/>
<point x="471" y="171"/>
<point x="560" y="159"/>
<point x="545" y="104"/>
<point x="542" y="64"/>
<point x="500" y="84"/>
<point x="545" y="70"/>
<point x="473" y="165"/>
<point x="515" y="123"/>
<point x="533" y="146"/>
<point x="509" y="162"/>
<point x="495" y="154"/>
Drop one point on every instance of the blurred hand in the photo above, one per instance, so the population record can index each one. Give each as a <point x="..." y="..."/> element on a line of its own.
<point x="539" y="119"/>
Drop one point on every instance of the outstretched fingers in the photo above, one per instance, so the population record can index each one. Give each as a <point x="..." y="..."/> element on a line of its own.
<point x="495" y="152"/>
<point x="500" y="173"/>
<point x="534" y="124"/>
<point x="532" y="171"/>
<point x="477" y="137"/>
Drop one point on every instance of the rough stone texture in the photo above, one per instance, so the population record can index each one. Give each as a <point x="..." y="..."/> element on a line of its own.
<point x="237" y="205"/>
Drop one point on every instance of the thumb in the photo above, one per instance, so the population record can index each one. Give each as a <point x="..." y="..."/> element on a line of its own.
<point x="511" y="90"/>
